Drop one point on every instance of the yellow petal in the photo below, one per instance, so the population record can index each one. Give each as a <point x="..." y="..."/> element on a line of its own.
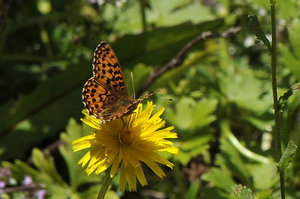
<point x="141" y="176"/>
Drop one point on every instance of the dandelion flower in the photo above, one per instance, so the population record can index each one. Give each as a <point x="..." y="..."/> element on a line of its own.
<point x="126" y="143"/>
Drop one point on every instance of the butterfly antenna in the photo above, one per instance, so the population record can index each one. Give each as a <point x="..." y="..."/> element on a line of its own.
<point x="166" y="99"/>
<point x="132" y="83"/>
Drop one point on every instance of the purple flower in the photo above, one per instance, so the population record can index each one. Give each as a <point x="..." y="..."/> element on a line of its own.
<point x="2" y="184"/>
<point x="27" y="180"/>
<point x="40" y="194"/>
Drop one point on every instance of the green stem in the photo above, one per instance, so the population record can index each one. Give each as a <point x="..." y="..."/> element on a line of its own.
<point x="275" y="98"/>
<point x="143" y="13"/>
<point x="105" y="184"/>
<point x="179" y="178"/>
<point x="243" y="150"/>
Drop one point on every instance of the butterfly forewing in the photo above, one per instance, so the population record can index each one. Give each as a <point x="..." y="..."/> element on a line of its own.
<point x="107" y="69"/>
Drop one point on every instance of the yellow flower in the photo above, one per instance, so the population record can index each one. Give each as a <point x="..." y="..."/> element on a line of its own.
<point x="128" y="143"/>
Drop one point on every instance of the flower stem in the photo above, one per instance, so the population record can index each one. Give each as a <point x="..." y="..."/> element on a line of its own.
<point x="105" y="184"/>
<point x="275" y="98"/>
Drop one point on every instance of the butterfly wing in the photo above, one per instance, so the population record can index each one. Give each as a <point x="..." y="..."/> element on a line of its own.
<point x="96" y="98"/>
<point x="107" y="70"/>
<point x="103" y="93"/>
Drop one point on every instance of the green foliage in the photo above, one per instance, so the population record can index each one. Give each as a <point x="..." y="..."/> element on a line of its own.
<point x="242" y="192"/>
<point x="45" y="171"/>
<point x="192" y="191"/>
<point x="287" y="156"/>
<point x="222" y="108"/>
<point x="255" y="27"/>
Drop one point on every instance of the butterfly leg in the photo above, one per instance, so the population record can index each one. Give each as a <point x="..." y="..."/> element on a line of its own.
<point x="123" y="121"/>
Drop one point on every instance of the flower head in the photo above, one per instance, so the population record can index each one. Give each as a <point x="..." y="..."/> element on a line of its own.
<point x="127" y="142"/>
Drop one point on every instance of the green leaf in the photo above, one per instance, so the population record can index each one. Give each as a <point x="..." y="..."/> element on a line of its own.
<point x="294" y="37"/>
<point x="220" y="178"/>
<point x="76" y="172"/>
<point x="242" y="192"/>
<point x="190" y="115"/>
<point x="161" y="13"/>
<point x="283" y="99"/>
<point x="192" y="191"/>
<point x="193" y="147"/>
<point x="164" y="13"/>
<point x="230" y="160"/>
<point x="290" y="61"/>
<point x="255" y="27"/>
<point x="46" y="165"/>
<point x="140" y="74"/>
<point x="42" y="113"/>
<point x="287" y="157"/>
<point x="212" y="192"/>
<point x="287" y="9"/>
<point x="244" y="89"/>
<point x="155" y="48"/>
<point x="264" y="175"/>
<point x="45" y="174"/>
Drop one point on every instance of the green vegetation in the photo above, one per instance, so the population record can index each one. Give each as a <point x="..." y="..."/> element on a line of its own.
<point x="211" y="57"/>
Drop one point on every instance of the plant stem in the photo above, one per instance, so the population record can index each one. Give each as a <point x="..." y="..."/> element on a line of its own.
<point x="143" y="13"/>
<point x="224" y="125"/>
<point x="105" y="184"/>
<point x="275" y="98"/>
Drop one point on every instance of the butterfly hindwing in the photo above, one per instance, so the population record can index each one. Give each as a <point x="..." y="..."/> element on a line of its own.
<point x="96" y="98"/>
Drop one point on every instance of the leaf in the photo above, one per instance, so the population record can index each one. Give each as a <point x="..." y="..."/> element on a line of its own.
<point x="46" y="165"/>
<point x="294" y="37"/>
<point x="76" y="173"/>
<point x="193" y="147"/>
<point x="231" y="161"/>
<point x="164" y="13"/>
<point x="283" y="99"/>
<point x="255" y="27"/>
<point x="290" y="61"/>
<point x="190" y="115"/>
<point x="242" y="192"/>
<point x="287" y="9"/>
<point x="287" y="157"/>
<point x="45" y="174"/>
<point x="212" y="192"/>
<point x="264" y="175"/>
<point x="160" y="14"/>
<point x="160" y="45"/>
<point x="140" y="74"/>
<point x="220" y="178"/>
<point x="244" y="89"/>
<point x="192" y="191"/>
<point x="42" y="113"/>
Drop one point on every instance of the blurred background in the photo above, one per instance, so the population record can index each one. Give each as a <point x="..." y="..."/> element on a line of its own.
<point x="221" y="91"/>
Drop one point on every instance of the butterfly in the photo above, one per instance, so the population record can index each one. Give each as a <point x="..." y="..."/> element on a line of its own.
<point x="105" y="94"/>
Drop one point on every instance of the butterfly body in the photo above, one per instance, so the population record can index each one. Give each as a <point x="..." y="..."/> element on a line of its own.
<point x="105" y="94"/>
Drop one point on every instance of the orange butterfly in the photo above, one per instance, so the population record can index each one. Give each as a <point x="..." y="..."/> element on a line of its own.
<point x="105" y="94"/>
